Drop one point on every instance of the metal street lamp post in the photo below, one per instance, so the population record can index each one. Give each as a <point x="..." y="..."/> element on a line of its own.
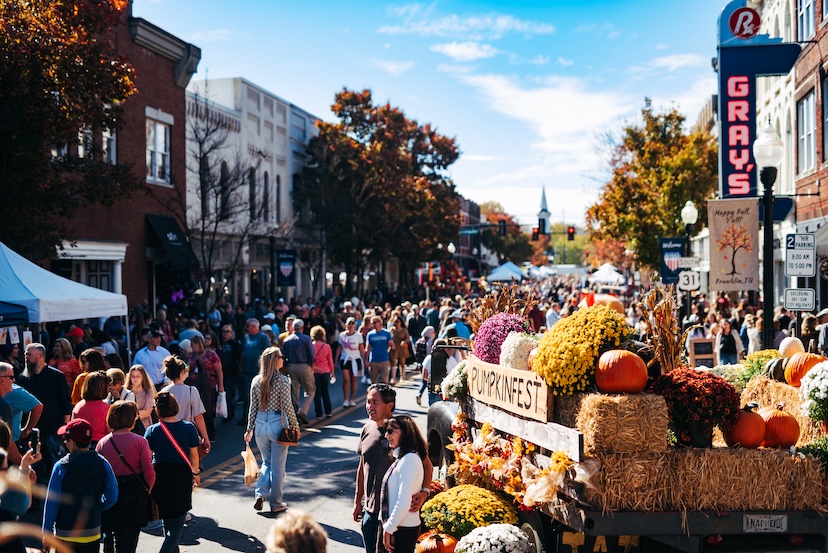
<point x="689" y="216"/>
<point x="768" y="151"/>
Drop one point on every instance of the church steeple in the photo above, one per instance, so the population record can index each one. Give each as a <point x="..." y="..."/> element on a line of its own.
<point x="543" y="214"/>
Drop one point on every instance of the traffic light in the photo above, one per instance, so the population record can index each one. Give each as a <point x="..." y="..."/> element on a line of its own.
<point x="534" y="234"/>
<point x="541" y="225"/>
<point x="501" y="228"/>
<point x="570" y="233"/>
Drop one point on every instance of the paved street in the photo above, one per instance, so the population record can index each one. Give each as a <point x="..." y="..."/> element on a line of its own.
<point x="320" y="480"/>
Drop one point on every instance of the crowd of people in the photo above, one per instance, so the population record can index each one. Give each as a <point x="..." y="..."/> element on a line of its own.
<point x="140" y="423"/>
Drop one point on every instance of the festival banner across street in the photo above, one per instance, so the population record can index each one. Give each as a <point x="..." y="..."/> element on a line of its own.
<point x="734" y="237"/>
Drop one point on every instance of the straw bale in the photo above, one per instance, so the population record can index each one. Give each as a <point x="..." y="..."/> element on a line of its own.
<point x="566" y="409"/>
<point x="770" y="393"/>
<point x="739" y="479"/>
<point x="629" y="482"/>
<point x="624" y="423"/>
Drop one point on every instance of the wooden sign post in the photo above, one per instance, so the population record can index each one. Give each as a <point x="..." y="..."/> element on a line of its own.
<point x="522" y="393"/>
<point x="703" y="352"/>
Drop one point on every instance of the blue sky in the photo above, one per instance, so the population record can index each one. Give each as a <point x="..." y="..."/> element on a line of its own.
<point x="526" y="87"/>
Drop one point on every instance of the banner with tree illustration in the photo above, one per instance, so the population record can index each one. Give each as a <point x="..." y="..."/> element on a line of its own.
<point x="734" y="244"/>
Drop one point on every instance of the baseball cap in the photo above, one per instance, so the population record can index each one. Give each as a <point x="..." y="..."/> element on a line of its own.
<point x="79" y="430"/>
<point x="77" y="331"/>
<point x="298" y="323"/>
<point x="270" y="316"/>
<point x="266" y="328"/>
<point x="350" y="320"/>
<point x="822" y="313"/>
<point x="154" y="333"/>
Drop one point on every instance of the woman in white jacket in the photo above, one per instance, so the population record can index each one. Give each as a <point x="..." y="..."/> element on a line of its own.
<point x="401" y="527"/>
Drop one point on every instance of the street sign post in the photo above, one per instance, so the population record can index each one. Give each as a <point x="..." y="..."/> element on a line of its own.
<point x="689" y="280"/>
<point x="800" y="255"/>
<point x="688" y="262"/>
<point x="800" y="299"/>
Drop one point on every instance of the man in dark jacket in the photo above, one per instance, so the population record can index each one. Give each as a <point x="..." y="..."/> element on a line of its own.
<point x="81" y="487"/>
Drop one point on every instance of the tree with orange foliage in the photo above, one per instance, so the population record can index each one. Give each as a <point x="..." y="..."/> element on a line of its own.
<point x="61" y="86"/>
<point x="736" y="238"/>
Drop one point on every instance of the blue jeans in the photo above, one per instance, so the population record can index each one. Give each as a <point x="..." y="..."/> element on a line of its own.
<point x="172" y="534"/>
<point x="274" y="457"/>
<point x="728" y="358"/>
<point x="370" y="531"/>
<point x="433" y="398"/>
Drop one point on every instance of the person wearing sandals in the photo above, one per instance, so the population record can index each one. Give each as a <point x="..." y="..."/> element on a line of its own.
<point x="270" y="410"/>
<point x="175" y="445"/>
<point x="131" y="460"/>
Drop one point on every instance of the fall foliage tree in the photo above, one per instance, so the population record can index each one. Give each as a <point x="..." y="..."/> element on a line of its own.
<point x="377" y="185"/>
<point x="61" y="86"/>
<point x="655" y="168"/>
<point x="736" y="238"/>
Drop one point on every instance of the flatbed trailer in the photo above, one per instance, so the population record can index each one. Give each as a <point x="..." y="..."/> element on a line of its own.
<point x="570" y="525"/>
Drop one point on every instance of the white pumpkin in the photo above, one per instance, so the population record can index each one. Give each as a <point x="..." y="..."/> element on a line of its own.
<point x="789" y="346"/>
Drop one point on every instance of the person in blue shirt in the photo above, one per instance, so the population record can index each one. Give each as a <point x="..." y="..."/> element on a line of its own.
<point x="253" y="344"/>
<point x="380" y="342"/>
<point x="20" y="401"/>
<point x="81" y="487"/>
<point x="460" y="329"/>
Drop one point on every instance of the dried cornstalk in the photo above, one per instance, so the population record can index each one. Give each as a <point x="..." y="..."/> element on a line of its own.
<point x="659" y="314"/>
<point x="507" y="300"/>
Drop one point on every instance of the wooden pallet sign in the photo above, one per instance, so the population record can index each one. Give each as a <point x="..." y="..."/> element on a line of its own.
<point x="522" y="393"/>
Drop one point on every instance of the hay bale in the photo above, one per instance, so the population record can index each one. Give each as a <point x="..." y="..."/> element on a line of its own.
<point x="623" y="423"/>
<point x="767" y="392"/>
<point x="739" y="479"/>
<point x="628" y="482"/>
<point x="566" y="409"/>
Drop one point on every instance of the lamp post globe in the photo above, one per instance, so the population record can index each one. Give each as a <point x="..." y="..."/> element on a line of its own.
<point x="768" y="151"/>
<point x="689" y="213"/>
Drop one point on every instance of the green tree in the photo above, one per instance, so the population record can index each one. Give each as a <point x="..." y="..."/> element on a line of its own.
<point x="516" y="246"/>
<point x="655" y="169"/>
<point x="377" y="184"/>
<point x="61" y="86"/>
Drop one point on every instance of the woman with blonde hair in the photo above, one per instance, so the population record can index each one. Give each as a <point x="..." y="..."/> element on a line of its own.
<point x="270" y="410"/>
<point x="296" y="531"/>
<point x="65" y="360"/>
<point x="138" y="382"/>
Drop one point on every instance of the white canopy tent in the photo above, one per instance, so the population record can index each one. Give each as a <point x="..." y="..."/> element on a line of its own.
<point x="507" y="271"/>
<point x="50" y="297"/>
<point x="605" y="274"/>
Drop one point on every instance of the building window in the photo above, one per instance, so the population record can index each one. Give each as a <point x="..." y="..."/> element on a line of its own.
<point x="278" y="199"/>
<point x="806" y="132"/>
<point x="224" y="187"/>
<point x="99" y="275"/>
<point x="266" y="199"/>
<point x="804" y="19"/>
<point x="158" y="151"/>
<point x="251" y="182"/>
<point x="84" y="143"/>
<point x="110" y="147"/>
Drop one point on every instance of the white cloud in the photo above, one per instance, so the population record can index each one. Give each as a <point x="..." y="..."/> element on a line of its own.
<point x="214" y="35"/>
<point x="690" y="100"/>
<point x="670" y="63"/>
<point x="604" y="30"/>
<point x="422" y="21"/>
<point x="465" y="51"/>
<point x="660" y="46"/>
<point x="455" y="68"/>
<point x="395" y="68"/>
<point x="565" y="62"/>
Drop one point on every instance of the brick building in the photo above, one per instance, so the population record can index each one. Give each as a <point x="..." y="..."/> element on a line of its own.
<point x="137" y="247"/>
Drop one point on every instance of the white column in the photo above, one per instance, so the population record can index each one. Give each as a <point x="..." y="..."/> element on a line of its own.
<point x="117" y="275"/>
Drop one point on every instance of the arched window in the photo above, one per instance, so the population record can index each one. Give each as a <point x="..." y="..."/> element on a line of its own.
<point x="278" y="199"/>
<point x="266" y="197"/>
<point x="251" y="182"/>
<point x="224" y="191"/>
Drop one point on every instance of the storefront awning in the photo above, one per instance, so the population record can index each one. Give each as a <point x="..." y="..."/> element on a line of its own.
<point x="174" y="246"/>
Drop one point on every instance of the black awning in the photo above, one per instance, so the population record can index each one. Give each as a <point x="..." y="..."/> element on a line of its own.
<point x="12" y="314"/>
<point x="173" y="242"/>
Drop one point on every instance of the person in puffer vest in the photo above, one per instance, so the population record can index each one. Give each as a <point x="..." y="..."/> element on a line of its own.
<point x="82" y="485"/>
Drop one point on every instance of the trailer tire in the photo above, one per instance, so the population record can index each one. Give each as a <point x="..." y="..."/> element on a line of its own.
<point x="538" y="529"/>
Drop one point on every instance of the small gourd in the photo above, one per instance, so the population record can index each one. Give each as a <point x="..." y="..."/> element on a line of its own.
<point x="775" y="369"/>
<point x="798" y="366"/>
<point x="781" y="428"/>
<point x="749" y="429"/>
<point x="621" y="372"/>
<point x="789" y="346"/>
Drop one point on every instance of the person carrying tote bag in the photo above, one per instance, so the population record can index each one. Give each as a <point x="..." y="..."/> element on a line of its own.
<point x="131" y="460"/>
<point x="270" y="411"/>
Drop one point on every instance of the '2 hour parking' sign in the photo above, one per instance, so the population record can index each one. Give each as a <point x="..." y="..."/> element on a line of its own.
<point x="800" y="255"/>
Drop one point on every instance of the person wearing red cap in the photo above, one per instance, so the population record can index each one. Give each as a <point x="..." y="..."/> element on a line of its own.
<point x="76" y="337"/>
<point x="82" y="485"/>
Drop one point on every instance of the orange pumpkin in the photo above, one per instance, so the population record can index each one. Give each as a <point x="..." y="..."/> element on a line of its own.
<point x="798" y="366"/>
<point x="621" y="372"/>
<point x="781" y="428"/>
<point x="434" y="542"/>
<point x="749" y="430"/>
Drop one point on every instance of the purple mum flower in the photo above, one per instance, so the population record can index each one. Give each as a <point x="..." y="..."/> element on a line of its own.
<point x="493" y="332"/>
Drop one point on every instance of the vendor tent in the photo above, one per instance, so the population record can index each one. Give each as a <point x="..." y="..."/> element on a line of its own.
<point x="605" y="274"/>
<point x="49" y="297"/>
<point x="12" y="314"/>
<point x="507" y="271"/>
